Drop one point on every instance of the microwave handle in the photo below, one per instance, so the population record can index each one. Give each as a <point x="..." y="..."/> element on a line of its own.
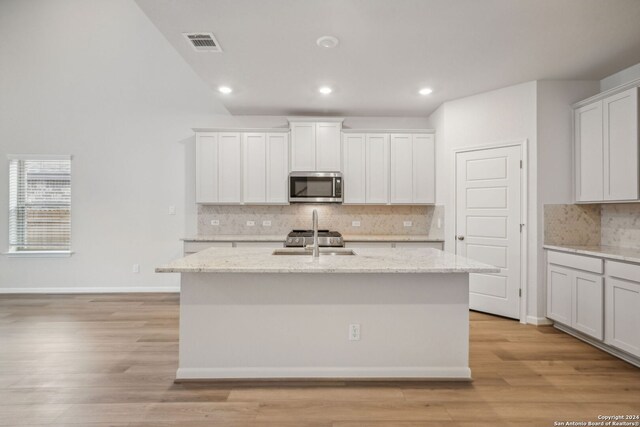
<point x="334" y="187"/>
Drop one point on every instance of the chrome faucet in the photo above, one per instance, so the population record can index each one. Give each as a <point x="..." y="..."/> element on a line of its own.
<point x="315" y="246"/>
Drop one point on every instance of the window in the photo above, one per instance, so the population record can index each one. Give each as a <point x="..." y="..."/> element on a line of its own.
<point x="39" y="204"/>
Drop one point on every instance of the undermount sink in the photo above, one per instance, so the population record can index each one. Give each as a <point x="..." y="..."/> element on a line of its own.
<point x="308" y="252"/>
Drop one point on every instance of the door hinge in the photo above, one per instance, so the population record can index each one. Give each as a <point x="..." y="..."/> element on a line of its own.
<point x="520" y="164"/>
<point x="521" y="227"/>
<point x="520" y="292"/>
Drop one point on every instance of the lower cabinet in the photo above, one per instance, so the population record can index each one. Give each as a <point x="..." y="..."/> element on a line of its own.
<point x="575" y="297"/>
<point x="603" y="303"/>
<point x="622" y="311"/>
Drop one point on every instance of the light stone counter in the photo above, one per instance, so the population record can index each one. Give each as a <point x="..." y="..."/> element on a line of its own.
<point x="608" y="252"/>
<point x="366" y="260"/>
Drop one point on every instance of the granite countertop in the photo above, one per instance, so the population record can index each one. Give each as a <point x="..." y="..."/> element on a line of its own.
<point x="609" y="252"/>
<point x="370" y="260"/>
<point x="281" y="238"/>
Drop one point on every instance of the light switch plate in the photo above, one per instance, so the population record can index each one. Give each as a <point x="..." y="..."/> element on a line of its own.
<point x="408" y="223"/>
<point x="172" y="210"/>
<point x="215" y="222"/>
<point x="136" y="268"/>
<point x="251" y="223"/>
<point x="266" y="223"/>
<point x="355" y="223"/>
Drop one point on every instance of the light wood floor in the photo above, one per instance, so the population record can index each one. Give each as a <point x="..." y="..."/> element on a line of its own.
<point x="110" y="360"/>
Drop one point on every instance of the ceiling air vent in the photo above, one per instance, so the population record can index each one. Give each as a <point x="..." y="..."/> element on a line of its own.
<point x="203" y="42"/>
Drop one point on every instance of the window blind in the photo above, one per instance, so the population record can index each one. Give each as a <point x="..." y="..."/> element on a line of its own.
<point x="39" y="204"/>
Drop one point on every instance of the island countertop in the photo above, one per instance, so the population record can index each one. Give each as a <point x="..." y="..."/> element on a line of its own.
<point x="366" y="260"/>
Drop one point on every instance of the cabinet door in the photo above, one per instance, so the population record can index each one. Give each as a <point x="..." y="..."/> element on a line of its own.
<point x="589" y="157"/>
<point x="588" y="303"/>
<point x="354" y="176"/>
<point x="277" y="167"/>
<point x="303" y="146"/>
<point x="621" y="146"/>
<point x="401" y="168"/>
<point x="254" y="149"/>
<point x="377" y="168"/>
<point x="424" y="169"/>
<point x="229" y="168"/>
<point x="327" y="148"/>
<point x="207" y="167"/>
<point x="622" y="315"/>
<point x="559" y="288"/>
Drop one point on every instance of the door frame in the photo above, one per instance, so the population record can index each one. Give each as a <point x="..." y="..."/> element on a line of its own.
<point x="524" y="205"/>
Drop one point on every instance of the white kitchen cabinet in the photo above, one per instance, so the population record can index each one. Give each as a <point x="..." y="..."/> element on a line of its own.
<point x="412" y="169"/>
<point x="606" y="148"/>
<point x="303" y="146"/>
<point x="254" y="148"/>
<point x="621" y="145"/>
<point x="277" y="168"/>
<point x="316" y="145"/>
<point x="575" y="297"/>
<point x="265" y="168"/>
<point x="622" y="312"/>
<point x="377" y="168"/>
<point x="229" y="167"/>
<point x="588" y="304"/>
<point x="328" y="148"/>
<point x="207" y="167"/>
<point x="218" y="168"/>
<point x="354" y="172"/>
<point x="559" y="294"/>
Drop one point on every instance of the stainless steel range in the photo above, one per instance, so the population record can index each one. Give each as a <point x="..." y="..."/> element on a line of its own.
<point x="302" y="238"/>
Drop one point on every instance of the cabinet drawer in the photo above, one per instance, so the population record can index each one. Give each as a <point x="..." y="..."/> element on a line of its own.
<point x="579" y="262"/>
<point x="192" y="247"/>
<point x="623" y="270"/>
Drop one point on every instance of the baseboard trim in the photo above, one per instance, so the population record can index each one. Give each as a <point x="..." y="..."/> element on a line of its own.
<point x="599" y="344"/>
<point x="269" y="373"/>
<point x="92" y="290"/>
<point x="538" y="321"/>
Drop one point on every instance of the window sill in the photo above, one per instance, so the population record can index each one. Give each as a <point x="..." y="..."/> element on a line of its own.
<point x="38" y="254"/>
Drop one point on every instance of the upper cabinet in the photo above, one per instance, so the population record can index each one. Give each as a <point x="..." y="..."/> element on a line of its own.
<point x="242" y="167"/>
<point x="606" y="148"/>
<point x="218" y="167"/>
<point x="315" y="145"/>
<point x="389" y="168"/>
<point x="412" y="169"/>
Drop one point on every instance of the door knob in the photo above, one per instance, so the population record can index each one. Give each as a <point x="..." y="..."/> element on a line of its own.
<point x="460" y="237"/>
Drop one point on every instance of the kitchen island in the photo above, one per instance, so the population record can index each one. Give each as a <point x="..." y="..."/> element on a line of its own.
<point x="381" y="313"/>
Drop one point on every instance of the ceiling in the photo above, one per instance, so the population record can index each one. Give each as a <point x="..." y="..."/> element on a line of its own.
<point x="389" y="49"/>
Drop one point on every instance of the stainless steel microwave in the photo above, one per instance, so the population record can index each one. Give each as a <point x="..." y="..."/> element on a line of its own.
<point x="315" y="187"/>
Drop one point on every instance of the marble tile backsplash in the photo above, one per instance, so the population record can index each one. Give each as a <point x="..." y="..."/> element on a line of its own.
<point x="621" y="225"/>
<point x="373" y="219"/>
<point x="572" y="225"/>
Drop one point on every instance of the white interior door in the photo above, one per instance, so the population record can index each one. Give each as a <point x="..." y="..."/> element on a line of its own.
<point x="488" y="217"/>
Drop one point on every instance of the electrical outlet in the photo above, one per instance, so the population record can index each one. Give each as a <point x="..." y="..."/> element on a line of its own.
<point x="215" y="222"/>
<point x="355" y="223"/>
<point x="439" y="222"/>
<point x="136" y="268"/>
<point x="251" y="223"/>
<point x="408" y="223"/>
<point x="266" y="223"/>
<point x="354" y="332"/>
<point x="172" y="210"/>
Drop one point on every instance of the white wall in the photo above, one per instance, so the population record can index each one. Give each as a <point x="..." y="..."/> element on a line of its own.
<point x="621" y="77"/>
<point x="95" y="79"/>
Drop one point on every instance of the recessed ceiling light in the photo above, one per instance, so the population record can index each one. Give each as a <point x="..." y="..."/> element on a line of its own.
<point x="328" y="42"/>
<point x="325" y="90"/>
<point x="425" y="91"/>
<point x="225" y="89"/>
